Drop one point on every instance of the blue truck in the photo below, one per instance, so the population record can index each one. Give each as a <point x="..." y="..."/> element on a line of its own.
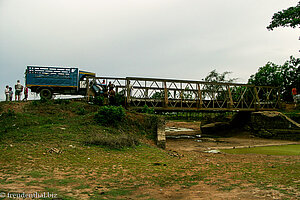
<point x="47" y="81"/>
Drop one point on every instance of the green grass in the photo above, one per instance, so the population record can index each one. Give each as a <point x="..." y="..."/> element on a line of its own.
<point x="35" y="174"/>
<point x="289" y="150"/>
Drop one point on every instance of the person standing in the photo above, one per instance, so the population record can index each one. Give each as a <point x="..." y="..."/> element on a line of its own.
<point x="18" y="90"/>
<point x="110" y="86"/>
<point x="294" y="93"/>
<point x="25" y="93"/>
<point x="11" y="93"/>
<point x="7" y="93"/>
<point x="111" y="97"/>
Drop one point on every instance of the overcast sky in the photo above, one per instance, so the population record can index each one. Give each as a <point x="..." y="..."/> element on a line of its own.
<point x="182" y="39"/>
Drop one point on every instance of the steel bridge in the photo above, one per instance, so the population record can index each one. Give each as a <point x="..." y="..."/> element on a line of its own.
<point x="187" y="95"/>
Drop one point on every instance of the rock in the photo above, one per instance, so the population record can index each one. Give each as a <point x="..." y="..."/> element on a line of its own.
<point x="213" y="151"/>
<point x="215" y="128"/>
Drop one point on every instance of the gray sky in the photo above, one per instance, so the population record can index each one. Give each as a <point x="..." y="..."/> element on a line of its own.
<point x="183" y="39"/>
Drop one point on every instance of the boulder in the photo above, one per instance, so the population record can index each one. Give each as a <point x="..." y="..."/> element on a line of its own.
<point x="216" y="128"/>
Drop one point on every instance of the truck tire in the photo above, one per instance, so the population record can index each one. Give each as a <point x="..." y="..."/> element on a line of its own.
<point x="46" y="94"/>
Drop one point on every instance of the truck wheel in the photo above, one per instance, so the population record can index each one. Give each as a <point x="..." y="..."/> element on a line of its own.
<point x="46" y="94"/>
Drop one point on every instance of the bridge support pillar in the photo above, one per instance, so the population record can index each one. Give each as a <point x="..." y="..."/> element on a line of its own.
<point x="160" y="133"/>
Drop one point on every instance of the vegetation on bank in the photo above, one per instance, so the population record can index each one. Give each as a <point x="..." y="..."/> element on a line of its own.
<point x="77" y="121"/>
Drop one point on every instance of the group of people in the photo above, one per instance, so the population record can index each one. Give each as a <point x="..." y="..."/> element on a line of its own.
<point x="109" y="92"/>
<point x="18" y="92"/>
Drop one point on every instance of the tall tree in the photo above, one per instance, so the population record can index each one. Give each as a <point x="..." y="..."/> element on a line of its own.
<point x="286" y="76"/>
<point x="286" y="18"/>
<point x="217" y="91"/>
<point x="215" y="76"/>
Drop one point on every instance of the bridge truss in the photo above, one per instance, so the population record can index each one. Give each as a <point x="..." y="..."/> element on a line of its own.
<point x="186" y="95"/>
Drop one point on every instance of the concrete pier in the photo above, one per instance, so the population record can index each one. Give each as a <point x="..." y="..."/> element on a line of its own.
<point x="160" y="133"/>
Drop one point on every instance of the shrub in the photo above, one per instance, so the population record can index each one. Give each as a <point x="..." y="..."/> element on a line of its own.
<point x="120" y="99"/>
<point x="147" y="110"/>
<point x="110" y="115"/>
<point x="62" y="101"/>
<point x="114" y="141"/>
<point x="81" y="111"/>
<point x="99" y="100"/>
<point x="42" y="101"/>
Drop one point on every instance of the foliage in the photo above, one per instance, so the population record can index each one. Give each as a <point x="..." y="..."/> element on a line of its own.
<point x="215" y="76"/>
<point x="120" y="99"/>
<point x="285" y="76"/>
<point x="215" y="91"/>
<point x="160" y="95"/>
<point x="44" y="101"/>
<point x="62" y="101"/>
<point x="286" y="18"/>
<point x="98" y="100"/>
<point x="147" y="110"/>
<point x="81" y="111"/>
<point x="187" y="93"/>
<point x="242" y="92"/>
<point x="110" y="115"/>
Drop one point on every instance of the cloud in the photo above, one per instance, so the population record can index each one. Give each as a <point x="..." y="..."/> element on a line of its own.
<point x="170" y="38"/>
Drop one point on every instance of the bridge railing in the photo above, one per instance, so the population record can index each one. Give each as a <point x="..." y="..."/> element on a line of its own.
<point x="170" y="94"/>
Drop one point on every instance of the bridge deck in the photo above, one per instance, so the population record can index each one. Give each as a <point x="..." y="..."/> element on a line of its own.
<point x="187" y="95"/>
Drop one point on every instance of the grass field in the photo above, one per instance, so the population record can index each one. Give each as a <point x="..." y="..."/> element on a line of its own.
<point x="30" y="134"/>
<point x="289" y="150"/>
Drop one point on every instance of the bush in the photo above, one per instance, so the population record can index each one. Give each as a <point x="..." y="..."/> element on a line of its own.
<point x="42" y="101"/>
<point x="62" y="101"/>
<point x="120" y="99"/>
<point x="110" y="115"/>
<point x="81" y="111"/>
<point x="147" y="110"/>
<point x="113" y="141"/>
<point x="99" y="100"/>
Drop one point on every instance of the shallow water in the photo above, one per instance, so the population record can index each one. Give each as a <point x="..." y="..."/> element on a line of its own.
<point x="177" y="129"/>
<point x="183" y="136"/>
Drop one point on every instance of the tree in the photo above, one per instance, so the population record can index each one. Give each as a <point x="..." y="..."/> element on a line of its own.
<point x="286" y="76"/>
<point x="215" y="76"/>
<point x="213" y="91"/>
<point x="286" y="18"/>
